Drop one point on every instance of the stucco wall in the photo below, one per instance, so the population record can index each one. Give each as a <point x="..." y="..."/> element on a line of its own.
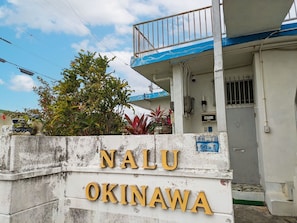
<point x="276" y="83"/>
<point x="44" y="179"/>
<point x="31" y="179"/>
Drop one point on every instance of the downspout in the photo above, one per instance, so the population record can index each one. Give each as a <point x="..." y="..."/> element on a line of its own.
<point x="266" y="125"/>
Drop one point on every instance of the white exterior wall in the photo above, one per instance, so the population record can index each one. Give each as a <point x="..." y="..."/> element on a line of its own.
<point x="31" y="179"/>
<point x="164" y="103"/>
<point x="43" y="179"/>
<point x="204" y="87"/>
<point x="276" y="83"/>
<point x="277" y="148"/>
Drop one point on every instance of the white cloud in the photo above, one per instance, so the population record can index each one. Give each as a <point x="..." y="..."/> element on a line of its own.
<point x="173" y="7"/>
<point x="123" y="70"/>
<point x="1" y="82"/>
<point x="108" y="43"/>
<point x="76" y="16"/>
<point x="21" y="83"/>
<point x="85" y="45"/>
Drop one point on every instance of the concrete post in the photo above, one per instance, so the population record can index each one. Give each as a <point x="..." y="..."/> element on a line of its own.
<point x="218" y="68"/>
<point x="178" y="95"/>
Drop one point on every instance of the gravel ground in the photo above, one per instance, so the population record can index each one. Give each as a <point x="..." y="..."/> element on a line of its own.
<point x="258" y="214"/>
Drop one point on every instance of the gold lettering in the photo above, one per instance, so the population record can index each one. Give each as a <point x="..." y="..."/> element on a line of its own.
<point x="201" y="202"/>
<point x="107" y="193"/>
<point x="124" y="194"/>
<point x="157" y="197"/>
<point x="96" y="194"/>
<point x="141" y="197"/>
<point x="164" y="160"/>
<point x="105" y="158"/>
<point x="145" y="153"/>
<point x="129" y="159"/>
<point x="177" y="197"/>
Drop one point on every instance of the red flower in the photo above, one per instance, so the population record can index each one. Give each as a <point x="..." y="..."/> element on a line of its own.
<point x="3" y="117"/>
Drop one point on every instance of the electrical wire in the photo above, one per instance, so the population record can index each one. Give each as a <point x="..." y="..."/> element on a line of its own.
<point x="31" y="52"/>
<point x="57" y="10"/>
<point x="26" y="71"/>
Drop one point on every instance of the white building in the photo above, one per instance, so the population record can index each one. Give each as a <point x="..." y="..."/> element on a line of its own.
<point x="243" y="81"/>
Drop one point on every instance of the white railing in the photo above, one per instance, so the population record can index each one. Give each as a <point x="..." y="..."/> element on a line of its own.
<point x="183" y="28"/>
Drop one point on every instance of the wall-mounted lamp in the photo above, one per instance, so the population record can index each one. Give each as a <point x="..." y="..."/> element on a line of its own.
<point x="203" y="104"/>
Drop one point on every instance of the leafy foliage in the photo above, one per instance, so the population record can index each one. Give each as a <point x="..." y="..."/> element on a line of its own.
<point x="160" y="117"/>
<point x="137" y="126"/>
<point x="87" y="101"/>
<point x="141" y="125"/>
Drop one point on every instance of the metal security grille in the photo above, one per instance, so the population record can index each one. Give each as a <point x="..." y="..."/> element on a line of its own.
<point x="239" y="92"/>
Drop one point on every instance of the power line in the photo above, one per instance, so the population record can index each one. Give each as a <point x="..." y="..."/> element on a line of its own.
<point x="24" y="70"/>
<point x="33" y="53"/>
<point x="81" y="20"/>
<point x="5" y="40"/>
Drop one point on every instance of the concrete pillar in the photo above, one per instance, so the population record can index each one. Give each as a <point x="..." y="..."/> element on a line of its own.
<point x="178" y="96"/>
<point x="218" y="68"/>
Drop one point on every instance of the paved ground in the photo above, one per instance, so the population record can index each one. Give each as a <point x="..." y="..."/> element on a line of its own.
<point x="258" y="214"/>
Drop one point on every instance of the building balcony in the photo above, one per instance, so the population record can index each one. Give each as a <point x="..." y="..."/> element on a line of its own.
<point x="186" y="28"/>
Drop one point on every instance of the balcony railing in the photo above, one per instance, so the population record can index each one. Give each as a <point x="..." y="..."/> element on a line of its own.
<point x="183" y="28"/>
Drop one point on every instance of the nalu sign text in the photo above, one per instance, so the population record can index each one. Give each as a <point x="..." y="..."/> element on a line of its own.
<point x="109" y="160"/>
<point x="125" y="194"/>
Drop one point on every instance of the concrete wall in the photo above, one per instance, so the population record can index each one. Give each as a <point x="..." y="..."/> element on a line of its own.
<point x="203" y="87"/>
<point x="44" y="179"/>
<point x="276" y="84"/>
<point x="277" y="80"/>
<point x="31" y="179"/>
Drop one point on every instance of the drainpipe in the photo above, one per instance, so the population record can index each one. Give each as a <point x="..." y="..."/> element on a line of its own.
<point x="218" y="68"/>
<point x="266" y="124"/>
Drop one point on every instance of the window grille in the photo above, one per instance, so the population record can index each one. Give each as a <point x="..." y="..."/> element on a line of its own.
<point x="239" y="92"/>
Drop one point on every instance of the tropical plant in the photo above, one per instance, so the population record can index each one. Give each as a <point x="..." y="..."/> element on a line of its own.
<point x="137" y="126"/>
<point x="87" y="101"/>
<point x="160" y="118"/>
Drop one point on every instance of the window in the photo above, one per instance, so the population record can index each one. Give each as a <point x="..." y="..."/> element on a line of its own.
<point x="239" y="92"/>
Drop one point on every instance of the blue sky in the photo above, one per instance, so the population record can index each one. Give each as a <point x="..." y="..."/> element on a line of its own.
<point x="43" y="36"/>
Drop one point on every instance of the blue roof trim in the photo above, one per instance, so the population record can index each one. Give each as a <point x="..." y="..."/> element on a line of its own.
<point x="286" y="30"/>
<point x="149" y="96"/>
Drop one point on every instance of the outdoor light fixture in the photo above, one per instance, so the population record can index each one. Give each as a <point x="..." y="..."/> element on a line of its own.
<point x="26" y="71"/>
<point x="203" y="104"/>
<point x="2" y="60"/>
